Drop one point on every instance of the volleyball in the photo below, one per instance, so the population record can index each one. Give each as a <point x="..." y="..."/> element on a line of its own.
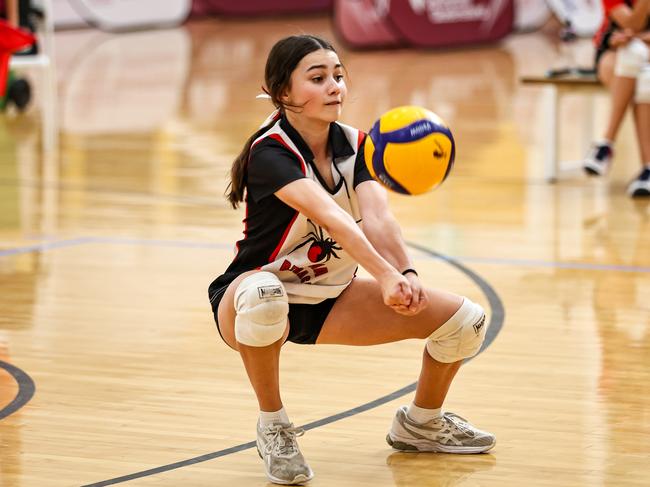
<point x="410" y="150"/>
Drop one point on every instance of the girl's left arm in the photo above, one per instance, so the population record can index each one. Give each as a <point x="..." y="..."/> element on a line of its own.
<point x="384" y="233"/>
<point x="380" y="226"/>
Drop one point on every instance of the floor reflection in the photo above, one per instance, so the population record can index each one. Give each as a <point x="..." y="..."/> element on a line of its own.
<point x="437" y="470"/>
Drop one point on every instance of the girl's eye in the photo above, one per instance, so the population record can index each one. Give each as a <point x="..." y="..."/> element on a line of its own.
<point x="339" y="77"/>
<point x="317" y="79"/>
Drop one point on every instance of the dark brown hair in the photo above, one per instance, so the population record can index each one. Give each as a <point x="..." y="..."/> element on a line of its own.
<point x="283" y="59"/>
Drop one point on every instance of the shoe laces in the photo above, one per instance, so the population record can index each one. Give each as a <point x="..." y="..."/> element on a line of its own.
<point x="454" y="423"/>
<point x="602" y="152"/>
<point x="645" y="175"/>
<point x="282" y="440"/>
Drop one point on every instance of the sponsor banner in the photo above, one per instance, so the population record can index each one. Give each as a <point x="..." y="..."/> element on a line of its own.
<point x="363" y="23"/>
<point x="433" y="23"/>
<point x="422" y="23"/>
<point x="258" y="7"/>
<point x="530" y="15"/>
<point x="585" y="15"/>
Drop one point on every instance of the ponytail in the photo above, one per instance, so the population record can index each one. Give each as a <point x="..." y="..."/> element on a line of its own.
<point x="237" y="184"/>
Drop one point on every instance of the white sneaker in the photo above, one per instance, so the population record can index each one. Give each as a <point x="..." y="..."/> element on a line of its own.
<point x="640" y="187"/>
<point x="447" y="434"/>
<point x="283" y="462"/>
<point x="598" y="160"/>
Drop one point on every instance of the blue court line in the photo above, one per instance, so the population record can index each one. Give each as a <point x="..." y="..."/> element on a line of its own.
<point x="57" y="244"/>
<point x="553" y="264"/>
<point x="43" y="246"/>
<point x="496" y="323"/>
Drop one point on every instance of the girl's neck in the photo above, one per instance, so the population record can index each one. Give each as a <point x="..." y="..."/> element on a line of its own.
<point x="314" y="132"/>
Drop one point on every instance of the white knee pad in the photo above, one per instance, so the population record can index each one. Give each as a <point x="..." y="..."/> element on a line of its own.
<point x="262" y="308"/>
<point x="631" y="58"/>
<point x="461" y="336"/>
<point x="642" y="94"/>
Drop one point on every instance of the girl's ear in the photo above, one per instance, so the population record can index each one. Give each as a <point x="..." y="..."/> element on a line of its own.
<point x="285" y="95"/>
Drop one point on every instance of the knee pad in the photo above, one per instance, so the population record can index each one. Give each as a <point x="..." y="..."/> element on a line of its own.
<point x="642" y="93"/>
<point x="461" y="336"/>
<point x="631" y="58"/>
<point x="262" y="308"/>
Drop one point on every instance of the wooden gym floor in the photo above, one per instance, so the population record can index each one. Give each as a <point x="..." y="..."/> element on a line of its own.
<point x="107" y="249"/>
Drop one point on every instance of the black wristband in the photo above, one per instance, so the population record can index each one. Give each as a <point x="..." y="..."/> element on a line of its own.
<point x="406" y="271"/>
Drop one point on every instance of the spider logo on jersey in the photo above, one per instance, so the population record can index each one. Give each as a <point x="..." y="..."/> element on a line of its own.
<point x="321" y="247"/>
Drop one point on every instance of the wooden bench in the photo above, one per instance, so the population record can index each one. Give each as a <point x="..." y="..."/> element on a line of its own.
<point x="557" y="87"/>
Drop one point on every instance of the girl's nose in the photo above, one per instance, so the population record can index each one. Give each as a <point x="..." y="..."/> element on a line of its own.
<point x="334" y="88"/>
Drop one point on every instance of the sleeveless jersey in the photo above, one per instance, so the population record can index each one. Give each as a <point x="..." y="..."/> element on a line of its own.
<point x="278" y="239"/>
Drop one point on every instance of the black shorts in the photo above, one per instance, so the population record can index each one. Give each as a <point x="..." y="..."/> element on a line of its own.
<point x="305" y="320"/>
<point x="597" y="56"/>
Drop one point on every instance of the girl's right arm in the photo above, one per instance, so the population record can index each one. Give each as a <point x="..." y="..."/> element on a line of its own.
<point x="634" y="18"/>
<point x="305" y="196"/>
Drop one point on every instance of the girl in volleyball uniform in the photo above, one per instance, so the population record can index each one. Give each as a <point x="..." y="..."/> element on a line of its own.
<point x="313" y="268"/>
<point x="313" y="214"/>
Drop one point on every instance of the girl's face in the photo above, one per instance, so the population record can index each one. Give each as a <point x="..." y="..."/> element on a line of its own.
<point x="317" y="86"/>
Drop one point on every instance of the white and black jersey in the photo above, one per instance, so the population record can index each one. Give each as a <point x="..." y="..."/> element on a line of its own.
<point x="279" y="239"/>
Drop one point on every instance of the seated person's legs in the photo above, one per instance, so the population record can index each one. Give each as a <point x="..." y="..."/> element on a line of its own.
<point x="640" y="186"/>
<point x="619" y="71"/>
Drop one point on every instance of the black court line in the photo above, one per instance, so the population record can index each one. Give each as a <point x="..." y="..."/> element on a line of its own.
<point x="496" y="323"/>
<point x="26" y="389"/>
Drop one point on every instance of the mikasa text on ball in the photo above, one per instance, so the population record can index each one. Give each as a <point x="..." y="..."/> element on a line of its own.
<point x="410" y="150"/>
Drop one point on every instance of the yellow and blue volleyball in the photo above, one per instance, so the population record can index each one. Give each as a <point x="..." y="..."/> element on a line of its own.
<point x="410" y="150"/>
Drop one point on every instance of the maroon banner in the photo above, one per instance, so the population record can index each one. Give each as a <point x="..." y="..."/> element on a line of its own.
<point x="363" y="24"/>
<point x="434" y="23"/>
<point x="258" y="7"/>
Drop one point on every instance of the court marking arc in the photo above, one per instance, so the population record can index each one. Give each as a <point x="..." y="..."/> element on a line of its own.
<point x="26" y="389"/>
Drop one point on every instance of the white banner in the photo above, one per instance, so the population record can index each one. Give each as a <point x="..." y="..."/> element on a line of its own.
<point x="116" y="15"/>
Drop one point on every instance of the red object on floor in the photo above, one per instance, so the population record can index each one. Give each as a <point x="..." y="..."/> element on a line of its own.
<point x="11" y="40"/>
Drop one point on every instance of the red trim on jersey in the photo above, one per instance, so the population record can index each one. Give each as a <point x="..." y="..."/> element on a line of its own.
<point x="284" y="237"/>
<point x="279" y="138"/>
<point x="360" y="136"/>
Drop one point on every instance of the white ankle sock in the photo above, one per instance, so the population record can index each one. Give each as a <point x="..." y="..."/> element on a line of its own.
<point x="279" y="416"/>
<point x="422" y="415"/>
<point x="607" y="142"/>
